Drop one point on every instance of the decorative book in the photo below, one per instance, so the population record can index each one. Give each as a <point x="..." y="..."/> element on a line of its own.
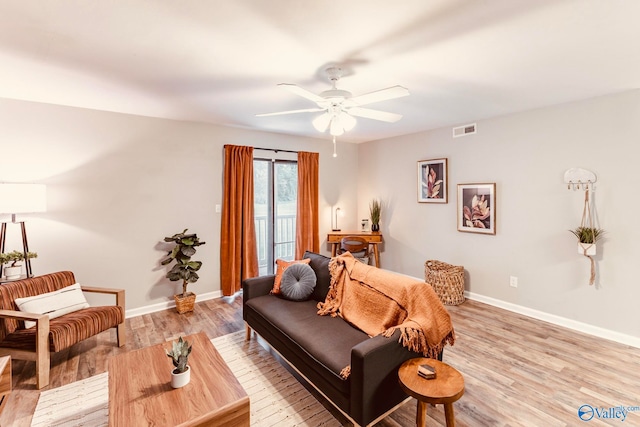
<point x="426" y="371"/>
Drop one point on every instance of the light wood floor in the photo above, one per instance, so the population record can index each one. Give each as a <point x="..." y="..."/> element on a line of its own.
<point x="518" y="371"/>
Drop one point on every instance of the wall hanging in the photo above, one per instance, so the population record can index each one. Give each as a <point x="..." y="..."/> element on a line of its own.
<point x="477" y="208"/>
<point x="433" y="181"/>
<point x="587" y="233"/>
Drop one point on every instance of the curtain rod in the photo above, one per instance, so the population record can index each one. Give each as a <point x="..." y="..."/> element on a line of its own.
<point x="275" y="149"/>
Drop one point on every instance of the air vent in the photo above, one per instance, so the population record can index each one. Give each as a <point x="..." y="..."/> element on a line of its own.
<point x="464" y="130"/>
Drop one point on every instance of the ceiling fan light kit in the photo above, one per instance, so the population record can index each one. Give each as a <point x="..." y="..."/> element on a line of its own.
<point x="341" y="107"/>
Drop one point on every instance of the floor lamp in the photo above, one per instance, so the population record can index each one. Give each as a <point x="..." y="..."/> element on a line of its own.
<point x="18" y="199"/>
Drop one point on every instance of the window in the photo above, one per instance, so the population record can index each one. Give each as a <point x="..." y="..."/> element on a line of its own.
<point x="275" y="184"/>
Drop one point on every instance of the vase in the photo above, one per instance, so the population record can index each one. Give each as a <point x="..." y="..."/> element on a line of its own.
<point x="375" y="227"/>
<point x="13" y="272"/>
<point x="181" y="379"/>
<point x="590" y="248"/>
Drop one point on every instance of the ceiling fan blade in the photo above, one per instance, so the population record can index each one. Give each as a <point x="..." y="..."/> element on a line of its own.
<point x="377" y="96"/>
<point x="301" y="92"/>
<point x="374" y="114"/>
<point x="305" y="110"/>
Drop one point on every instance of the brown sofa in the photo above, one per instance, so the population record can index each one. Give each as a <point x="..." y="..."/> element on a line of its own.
<point x="52" y="335"/>
<point x="319" y="347"/>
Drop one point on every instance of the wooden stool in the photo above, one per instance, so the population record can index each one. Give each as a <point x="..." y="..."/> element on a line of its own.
<point x="445" y="388"/>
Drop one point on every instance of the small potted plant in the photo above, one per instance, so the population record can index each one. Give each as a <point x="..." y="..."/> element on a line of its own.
<point x="374" y="213"/>
<point x="184" y="269"/>
<point x="587" y="238"/>
<point x="179" y="354"/>
<point x="14" y="270"/>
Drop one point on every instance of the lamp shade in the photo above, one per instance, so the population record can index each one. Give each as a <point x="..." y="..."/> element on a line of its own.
<point x="321" y="123"/>
<point x="22" y="198"/>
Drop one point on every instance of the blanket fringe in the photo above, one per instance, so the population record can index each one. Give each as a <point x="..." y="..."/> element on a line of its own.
<point x="346" y="371"/>
<point x="332" y="307"/>
<point x="414" y="339"/>
<point x="411" y="339"/>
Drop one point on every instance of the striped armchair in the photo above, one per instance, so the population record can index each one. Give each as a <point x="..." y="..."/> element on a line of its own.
<point x="52" y="335"/>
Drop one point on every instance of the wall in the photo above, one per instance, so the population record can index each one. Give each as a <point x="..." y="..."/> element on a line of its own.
<point x="526" y="155"/>
<point x="117" y="184"/>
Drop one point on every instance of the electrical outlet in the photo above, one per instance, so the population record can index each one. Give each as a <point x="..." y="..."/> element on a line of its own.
<point x="513" y="281"/>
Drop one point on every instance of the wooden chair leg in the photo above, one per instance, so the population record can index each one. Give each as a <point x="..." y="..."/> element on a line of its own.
<point x="121" y="333"/>
<point x="43" y="357"/>
<point x="248" y="335"/>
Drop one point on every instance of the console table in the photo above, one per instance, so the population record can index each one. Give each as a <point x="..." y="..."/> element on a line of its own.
<point x="374" y="238"/>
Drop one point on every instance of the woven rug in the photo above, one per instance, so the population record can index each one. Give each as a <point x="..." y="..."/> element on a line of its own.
<point x="277" y="398"/>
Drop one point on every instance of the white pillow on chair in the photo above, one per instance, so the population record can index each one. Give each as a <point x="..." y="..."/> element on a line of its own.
<point x="55" y="304"/>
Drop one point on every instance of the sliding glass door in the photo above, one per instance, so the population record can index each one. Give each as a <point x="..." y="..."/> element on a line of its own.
<point x="275" y="198"/>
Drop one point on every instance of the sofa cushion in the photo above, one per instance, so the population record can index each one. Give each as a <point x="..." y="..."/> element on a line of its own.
<point x="310" y="333"/>
<point x="28" y="288"/>
<point x="320" y="265"/>
<point x="69" y="329"/>
<point x="282" y="266"/>
<point x="54" y="304"/>
<point x="298" y="282"/>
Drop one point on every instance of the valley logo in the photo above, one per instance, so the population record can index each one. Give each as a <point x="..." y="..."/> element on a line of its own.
<point x="588" y="412"/>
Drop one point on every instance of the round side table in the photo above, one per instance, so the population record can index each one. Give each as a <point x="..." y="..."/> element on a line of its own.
<point x="445" y="388"/>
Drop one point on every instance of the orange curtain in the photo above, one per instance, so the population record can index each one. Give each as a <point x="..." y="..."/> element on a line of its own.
<point x="238" y="253"/>
<point x="307" y="222"/>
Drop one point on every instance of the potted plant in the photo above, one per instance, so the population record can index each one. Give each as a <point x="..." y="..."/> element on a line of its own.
<point x="587" y="238"/>
<point x="374" y="213"/>
<point x="14" y="270"/>
<point x="184" y="269"/>
<point x="179" y="354"/>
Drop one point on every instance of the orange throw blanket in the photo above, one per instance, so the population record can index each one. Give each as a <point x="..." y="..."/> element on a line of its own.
<point x="378" y="302"/>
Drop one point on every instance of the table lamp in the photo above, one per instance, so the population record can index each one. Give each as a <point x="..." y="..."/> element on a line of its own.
<point x="17" y="199"/>
<point x="336" y="228"/>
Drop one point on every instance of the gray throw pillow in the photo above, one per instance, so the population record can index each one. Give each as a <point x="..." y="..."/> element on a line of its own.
<point x="298" y="282"/>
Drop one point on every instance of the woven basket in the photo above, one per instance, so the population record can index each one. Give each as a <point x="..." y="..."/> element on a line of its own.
<point x="446" y="280"/>
<point x="185" y="304"/>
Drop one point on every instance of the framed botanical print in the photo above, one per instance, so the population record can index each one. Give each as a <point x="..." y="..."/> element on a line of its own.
<point x="432" y="181"/>
<point x="477" y="208"/>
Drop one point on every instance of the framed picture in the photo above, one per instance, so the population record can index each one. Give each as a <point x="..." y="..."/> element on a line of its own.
<point x="432" y="181"/>
<point x="477" y="208"/>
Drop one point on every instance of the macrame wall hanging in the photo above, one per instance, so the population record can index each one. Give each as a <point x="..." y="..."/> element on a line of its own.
<point x="588" y="232"/>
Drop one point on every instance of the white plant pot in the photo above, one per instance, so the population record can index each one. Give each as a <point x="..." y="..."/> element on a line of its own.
<point x="590" y="248"/>
<point x="13" y="272"/>
<point x="182" y="379"/>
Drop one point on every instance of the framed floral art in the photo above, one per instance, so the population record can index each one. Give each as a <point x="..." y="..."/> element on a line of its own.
<point x="432" y="181"/>
<point x="477" y="208"/>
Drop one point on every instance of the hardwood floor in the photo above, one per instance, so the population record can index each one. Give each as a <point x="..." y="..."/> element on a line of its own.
<point x="518" y="371"/>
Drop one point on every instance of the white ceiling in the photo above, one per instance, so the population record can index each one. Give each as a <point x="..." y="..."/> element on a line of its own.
<point x="219" y="61"/>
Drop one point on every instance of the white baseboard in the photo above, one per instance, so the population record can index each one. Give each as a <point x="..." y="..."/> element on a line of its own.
<point x="558" y="320"/>
<point x="134" y="312"/>
<point x="526" y="311"/>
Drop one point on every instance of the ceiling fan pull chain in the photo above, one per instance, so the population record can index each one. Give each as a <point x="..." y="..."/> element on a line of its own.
<point x="334" y="147"/>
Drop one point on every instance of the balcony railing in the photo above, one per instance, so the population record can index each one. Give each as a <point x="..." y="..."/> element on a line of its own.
<point x="284" y="240"/>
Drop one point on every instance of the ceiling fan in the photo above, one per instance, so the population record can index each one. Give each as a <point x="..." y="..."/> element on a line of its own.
<point x="340" y="106"/>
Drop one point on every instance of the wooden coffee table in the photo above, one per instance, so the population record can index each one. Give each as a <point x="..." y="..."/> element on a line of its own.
<point x="5" y="381"/>
<point x="445" y="388"/>
<point x="140" y="392"/>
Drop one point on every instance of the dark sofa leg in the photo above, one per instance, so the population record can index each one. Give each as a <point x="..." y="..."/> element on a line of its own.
<point x="248" y="336"/>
